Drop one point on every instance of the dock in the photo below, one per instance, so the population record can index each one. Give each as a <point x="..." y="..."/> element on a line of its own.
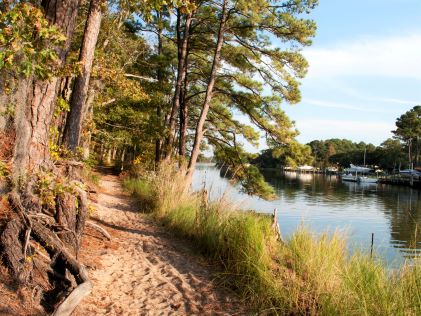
<point x="397" y="179"/>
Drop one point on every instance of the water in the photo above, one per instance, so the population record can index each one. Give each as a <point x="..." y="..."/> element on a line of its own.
<point x="325" y="203"/>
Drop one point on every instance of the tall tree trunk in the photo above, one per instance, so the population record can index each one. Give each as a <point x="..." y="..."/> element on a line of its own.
<point x="160" y="78"/>
<point x="33" y="117"/>
<point x="89" y="115"/>
<point x="73" y="129"/>
<point x="209" y="94"/>
<point x="184" y="108"/>
<point x="35" y="101"/>
<point x="65" y="92"/>
<point x="181" y="72"/>
<point x="122" y="158"/>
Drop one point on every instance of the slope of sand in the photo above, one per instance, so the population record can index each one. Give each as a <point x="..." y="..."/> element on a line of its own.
<point x="143" y="270"/>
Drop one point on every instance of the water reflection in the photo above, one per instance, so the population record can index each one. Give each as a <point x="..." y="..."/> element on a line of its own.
<point x="392" y="213"/>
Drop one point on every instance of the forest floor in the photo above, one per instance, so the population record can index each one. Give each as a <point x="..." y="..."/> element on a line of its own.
<point x="144" y="270"/>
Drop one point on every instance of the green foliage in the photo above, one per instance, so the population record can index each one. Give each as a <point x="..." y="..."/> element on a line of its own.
<point x="236" y="164"/>
<point x="28" y="42"/>
<point x="391" y="154"/>
<point x="408" y="125"/>
<point x="48" y="186"/>
<point x="142" y="189"/>
<point x="408" y="130"/>
<point x="341" y="152"/>
<point x="293" y="155"/>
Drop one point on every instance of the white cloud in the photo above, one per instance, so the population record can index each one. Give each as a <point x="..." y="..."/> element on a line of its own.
<point x="394" y="101"/>
<point x="337" y="105"/>
<point x="390" y="57"/>
<point x="374" y="131"/>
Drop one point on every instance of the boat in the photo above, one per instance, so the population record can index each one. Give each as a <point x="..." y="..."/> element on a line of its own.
<point x="410" y="173"/>
<point x="306" y="168"/>
<point x="353" y="171"/>
<point x="354" y="168"/>
<point x="364" y="179"/>
<point x="352" y="174"/>
<point x="349" y="177"/>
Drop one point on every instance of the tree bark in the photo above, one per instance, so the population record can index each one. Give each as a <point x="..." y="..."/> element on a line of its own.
<point x="89" y="114"/>
<point x="181" y="72"/>
<point x="36" y="98"/>
<point x="33" y="118"/>
<point x="73" y="129"/>
<point x="160" y="77"/>
<point x="184" y="108"/>
<point x="209" y="94"/>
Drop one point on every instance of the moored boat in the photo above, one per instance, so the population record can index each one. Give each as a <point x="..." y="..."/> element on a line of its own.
<point x="364" y="179"/>
<point x="356" y="174"/>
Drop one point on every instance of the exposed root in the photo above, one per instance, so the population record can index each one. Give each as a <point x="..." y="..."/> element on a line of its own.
<point x="72" y="301"/>
<point x="99" y="229"/>
<point x="59" y="235"/>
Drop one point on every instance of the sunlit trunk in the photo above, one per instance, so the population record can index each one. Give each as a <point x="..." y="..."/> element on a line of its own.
<point x="73" y="130"/>
<point x="209" y="94"/>
<point x="182" y="43"/>
<point x="36" y="98"/>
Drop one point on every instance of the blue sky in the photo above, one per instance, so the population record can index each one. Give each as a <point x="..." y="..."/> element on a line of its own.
<point x="365" y="70"/>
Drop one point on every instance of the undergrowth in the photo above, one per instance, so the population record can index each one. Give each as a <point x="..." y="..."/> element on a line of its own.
<point x="304" y="275"/>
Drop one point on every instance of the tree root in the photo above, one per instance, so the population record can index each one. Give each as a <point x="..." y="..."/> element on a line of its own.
<point x="99" y="229"/>
<point x="15" y="241"/>
<point x="76" y="296"/>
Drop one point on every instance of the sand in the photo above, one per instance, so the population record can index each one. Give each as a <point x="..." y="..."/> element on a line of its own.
<point x="144" y="270"/>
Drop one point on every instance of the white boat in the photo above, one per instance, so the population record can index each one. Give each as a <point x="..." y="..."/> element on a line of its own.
<point x="351" y="174"/>
<point x="349" y="177"/>
<point x="354" y="168"/>
<point x="364" y="179"/>
<point x="410" y="172"/>
<point x="306" y="168"/>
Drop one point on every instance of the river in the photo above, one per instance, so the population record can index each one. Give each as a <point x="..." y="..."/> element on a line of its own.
<point x="326" y="203"/>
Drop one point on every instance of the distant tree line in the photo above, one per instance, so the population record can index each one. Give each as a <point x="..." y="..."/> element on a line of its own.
<point x="400" y="152"/>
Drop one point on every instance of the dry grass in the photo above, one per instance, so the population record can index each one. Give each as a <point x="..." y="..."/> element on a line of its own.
<point x="307" y="275"/>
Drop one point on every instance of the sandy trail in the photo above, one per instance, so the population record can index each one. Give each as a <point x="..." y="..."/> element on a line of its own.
<point x="143" y="270"/>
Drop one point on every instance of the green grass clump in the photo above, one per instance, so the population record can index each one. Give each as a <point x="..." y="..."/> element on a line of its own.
<point x="142" y="189"/>
<point x="306" y="274"/>
<point x="90" y="175"/>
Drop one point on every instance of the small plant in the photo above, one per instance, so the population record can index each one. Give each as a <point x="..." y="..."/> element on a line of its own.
<point x="4" y="170"/>
<point x="48" y="186"/>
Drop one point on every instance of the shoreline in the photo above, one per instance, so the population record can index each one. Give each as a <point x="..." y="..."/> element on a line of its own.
<point x="304" y="274"/>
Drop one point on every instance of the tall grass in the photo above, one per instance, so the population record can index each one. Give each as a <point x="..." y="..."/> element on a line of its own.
<point x="304" y="275"/>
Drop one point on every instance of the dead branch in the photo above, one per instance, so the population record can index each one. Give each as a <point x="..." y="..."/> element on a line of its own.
<point x="275" y="225"/>
<point x="78" y="294"/>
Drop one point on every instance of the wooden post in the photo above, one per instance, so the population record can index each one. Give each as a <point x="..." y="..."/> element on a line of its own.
<point x="275" y="225"/>
<point x="372" y="244"/>
<point x="205" y="198"/>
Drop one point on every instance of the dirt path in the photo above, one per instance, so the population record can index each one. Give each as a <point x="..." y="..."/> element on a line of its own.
<point x="142" y="270"/>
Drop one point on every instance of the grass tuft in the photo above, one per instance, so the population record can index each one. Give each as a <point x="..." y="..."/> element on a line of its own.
<point x="308" y="274"/>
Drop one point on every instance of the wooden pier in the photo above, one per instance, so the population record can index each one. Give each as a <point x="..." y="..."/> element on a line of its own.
<point x="397" y="179"/>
